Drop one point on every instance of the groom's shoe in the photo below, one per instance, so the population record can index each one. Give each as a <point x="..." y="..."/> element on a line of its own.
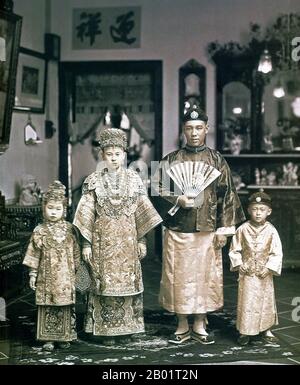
<point x="180" y="338"/>
<point x="203" y="339"/>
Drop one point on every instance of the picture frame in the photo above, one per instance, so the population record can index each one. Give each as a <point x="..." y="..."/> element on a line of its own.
<point x="52" y="46"/>
<point x="10" y="34"/>
<point x="31" y="81"/>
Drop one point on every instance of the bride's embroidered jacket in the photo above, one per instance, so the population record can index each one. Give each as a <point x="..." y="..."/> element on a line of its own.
<point x="113" y="219"/>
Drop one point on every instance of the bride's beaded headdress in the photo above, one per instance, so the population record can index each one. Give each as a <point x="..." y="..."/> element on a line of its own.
<point x="112" y="137"/>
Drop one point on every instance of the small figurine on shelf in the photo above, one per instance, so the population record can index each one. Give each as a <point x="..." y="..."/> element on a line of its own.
<point x="236" y="133"/>
<point x="256" y="253"/>
<point x="257" y="176"/>
<point x="290" y="176"/>
<point x="237" y="180"/>
<point x="236" y="144"/>
<point x="30" y="191"/>
<point x="263" y="176"/>
<point x="268" y="144"/>
<point x="289" y="133"/>
<point x="271" y="179"/>
<point x="53" y="255"/>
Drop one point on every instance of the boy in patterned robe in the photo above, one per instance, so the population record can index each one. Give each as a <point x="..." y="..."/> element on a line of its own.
<point x="256" y="253"/>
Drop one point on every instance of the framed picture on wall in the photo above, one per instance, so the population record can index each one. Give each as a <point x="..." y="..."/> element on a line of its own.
<point x="10" y="31"/>
<point x="31" y="81"/>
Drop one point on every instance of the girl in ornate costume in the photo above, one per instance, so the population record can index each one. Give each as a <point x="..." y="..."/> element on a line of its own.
<point x="256" y="253"/>
<point x="113" y="216"/>
<point x="52" y="256"/>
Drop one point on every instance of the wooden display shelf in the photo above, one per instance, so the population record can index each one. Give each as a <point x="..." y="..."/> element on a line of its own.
<point x="275" y="187"/>
<point x="262" y="155"/>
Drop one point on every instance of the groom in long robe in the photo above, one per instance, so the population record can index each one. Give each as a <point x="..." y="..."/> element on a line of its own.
<point x="192" y="276"/>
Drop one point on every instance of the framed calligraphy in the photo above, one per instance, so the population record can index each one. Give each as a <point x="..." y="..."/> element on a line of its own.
<point x="10" y="32"/>
<point x="106" y="28"/>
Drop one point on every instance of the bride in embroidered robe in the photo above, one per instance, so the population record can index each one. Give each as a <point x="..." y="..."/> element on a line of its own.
<point x="113" y="216"/>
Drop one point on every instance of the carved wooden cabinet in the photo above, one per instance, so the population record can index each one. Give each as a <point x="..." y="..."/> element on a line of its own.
<point x="16" y="225"/>
<point x="286" y="218"/>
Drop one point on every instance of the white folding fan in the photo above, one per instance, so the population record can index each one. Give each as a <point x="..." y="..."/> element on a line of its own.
<point x="191" y="178"/>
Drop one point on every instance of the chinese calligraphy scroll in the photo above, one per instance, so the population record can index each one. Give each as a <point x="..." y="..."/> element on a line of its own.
<point x="106" y="28"/>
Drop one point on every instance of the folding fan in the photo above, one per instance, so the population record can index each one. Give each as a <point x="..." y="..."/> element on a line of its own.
<point x="191" y="178"/>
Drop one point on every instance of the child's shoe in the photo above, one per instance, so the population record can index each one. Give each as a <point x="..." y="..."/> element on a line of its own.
<point x="109" y="341"/>
<point x="243" y="340"/>
<point x="124" y="340"/>
<point x="269" y="337"/>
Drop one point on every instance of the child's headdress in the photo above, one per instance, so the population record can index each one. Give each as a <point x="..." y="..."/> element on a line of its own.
<point x="260" y="197"/>
<point x="56" y="192"/>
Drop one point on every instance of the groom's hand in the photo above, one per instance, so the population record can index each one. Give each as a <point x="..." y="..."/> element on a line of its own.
<point x="220" y="241"/>
<point x="185" y="202"/>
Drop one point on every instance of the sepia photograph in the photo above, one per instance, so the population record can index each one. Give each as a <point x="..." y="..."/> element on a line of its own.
<point x="149" y="187"/>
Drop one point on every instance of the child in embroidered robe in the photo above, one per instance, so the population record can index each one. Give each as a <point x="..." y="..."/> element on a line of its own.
<point x="52" y="256"/>
<point x="256" y="253"/>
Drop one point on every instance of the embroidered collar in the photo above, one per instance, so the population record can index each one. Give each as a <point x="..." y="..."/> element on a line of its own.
<point x="195" y="149"/>
<point x="53" y="224"/>
<point x="257" y="225"/>
<point x="58" y="230"/>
